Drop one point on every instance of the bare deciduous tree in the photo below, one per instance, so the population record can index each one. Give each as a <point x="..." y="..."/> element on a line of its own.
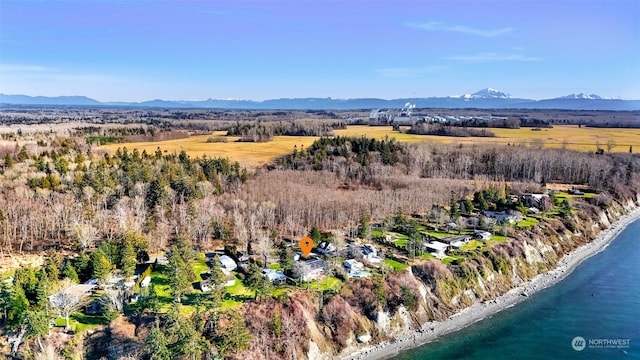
<point x="84" y="235"/>
<point x="69" y="299"/>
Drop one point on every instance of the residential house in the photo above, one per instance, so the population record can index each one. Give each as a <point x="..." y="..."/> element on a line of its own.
<point x="227" y="263"/>
<point x="353" y="266"/>
<point x="145" y="282"/>
<point x="502" y="217"/>
<point x="274" y="276"/>
<point x="534" y="200"/>
<point x="205" y="284"/>
<point x="370" y="253"/>
<point x="456" y="241"/>
<point x="308" y="269"/>
<point x="482" y="235"/>
<point x="326" y="247"/>
<point x="437" y="249"/>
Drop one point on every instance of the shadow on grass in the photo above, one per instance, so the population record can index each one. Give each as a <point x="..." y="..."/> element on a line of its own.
<point x="238" y="297"/>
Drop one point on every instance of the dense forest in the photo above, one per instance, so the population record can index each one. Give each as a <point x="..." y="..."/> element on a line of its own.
<point x="93" y="214"/>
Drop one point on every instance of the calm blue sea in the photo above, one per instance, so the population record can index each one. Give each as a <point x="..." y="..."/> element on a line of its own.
<point x="599" y="302"/>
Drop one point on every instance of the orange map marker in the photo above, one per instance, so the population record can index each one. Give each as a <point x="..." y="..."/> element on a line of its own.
<point x="306" y="244"/>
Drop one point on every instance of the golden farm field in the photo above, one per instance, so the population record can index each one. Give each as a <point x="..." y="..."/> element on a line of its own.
<point x="257" y="154"/>
<point x="573" y="137"/>
<point x="246" y="153"/>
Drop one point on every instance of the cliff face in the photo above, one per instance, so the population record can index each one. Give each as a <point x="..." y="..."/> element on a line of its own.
<point x="484" y="274"/>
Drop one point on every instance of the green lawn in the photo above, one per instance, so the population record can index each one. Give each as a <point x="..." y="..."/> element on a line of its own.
<point x="275" y="266"/>
<point x="239" y="289"/>
<point x="327" y="283"/>
<point x="397" y="236"/>
<point x="200" y="266"/>
<point x="565" y="195"/>
<point x="80" y="321"/>
<point x="451" y="258"/>
<point x="230" y="304"/>
<point x="427" y="256"/>
<point x="396" y="265"/>
<point x="401" y="243"/>
<point x="527" y="222"/>
<point x="438" y="234"/>
<point x="236" y="295"/>
<point x="472" y="245"/>
<point x="160" y="280"/>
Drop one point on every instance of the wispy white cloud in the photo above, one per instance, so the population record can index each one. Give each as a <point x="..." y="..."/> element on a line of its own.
<point x="409" y="72"/>
<point x="22" y="68"/>
<point x="492" y="57"/>
<point x="438" y="26"/>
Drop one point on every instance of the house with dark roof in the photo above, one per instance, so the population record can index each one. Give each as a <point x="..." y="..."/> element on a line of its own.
<point x="308" y="269"/>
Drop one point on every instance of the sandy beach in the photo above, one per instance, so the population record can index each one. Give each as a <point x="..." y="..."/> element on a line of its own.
<point x="432" y="330"/>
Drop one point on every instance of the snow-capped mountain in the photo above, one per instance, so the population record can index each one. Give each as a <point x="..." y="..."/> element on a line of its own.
<point x="490" y="93"/>
<point x="487" y="93"/>
<point x="583" y="96"/>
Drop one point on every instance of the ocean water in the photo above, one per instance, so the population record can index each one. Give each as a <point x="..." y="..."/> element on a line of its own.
<point x="599" y="302"/>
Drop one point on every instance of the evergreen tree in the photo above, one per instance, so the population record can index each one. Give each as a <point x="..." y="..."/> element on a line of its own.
<point x="52" y="264"/>
<point x="286" y="258"/>
<point x="26" y="279"/>
<point x="315" y="235"/>
<point x="8" y="161"/>
<point x="18" y="306"/>
<point x="82" y="265"/>
<point x="37" y="325"/>
<point x="178" y="274"/>
<point x="565" y="209"/>
<point x="231" y="333"/>
<point x="257" y="282"/>
<point x="454" y="211"/>
<point x="101" y="265"/>
<point x="400" y="219"/>
<point x="129" y="260"/>
<point x="23" y="154"/>
<point x="364" y="229"/>
<point x="69" y="272"/>
<point x="156" y="345"/>
<point x="479" y="199"/>
<point x="218" y="280"/>
<point x="42" y="291"/>
<point x="468" y="206"/>
<point x="5" y="302"/>
<point x="154" y="194"/>
<point x="188" y="341"/>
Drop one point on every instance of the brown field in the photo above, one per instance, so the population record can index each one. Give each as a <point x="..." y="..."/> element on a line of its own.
<point x="257" y="154"/>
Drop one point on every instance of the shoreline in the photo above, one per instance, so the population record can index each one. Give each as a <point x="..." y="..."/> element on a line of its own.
<point x="433" y="330"/>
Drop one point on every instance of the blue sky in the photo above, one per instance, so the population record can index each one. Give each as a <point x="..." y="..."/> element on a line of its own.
<point x="191" y="50"/>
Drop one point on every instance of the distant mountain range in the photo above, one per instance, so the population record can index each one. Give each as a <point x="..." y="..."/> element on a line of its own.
<point x="484" y="99"/>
